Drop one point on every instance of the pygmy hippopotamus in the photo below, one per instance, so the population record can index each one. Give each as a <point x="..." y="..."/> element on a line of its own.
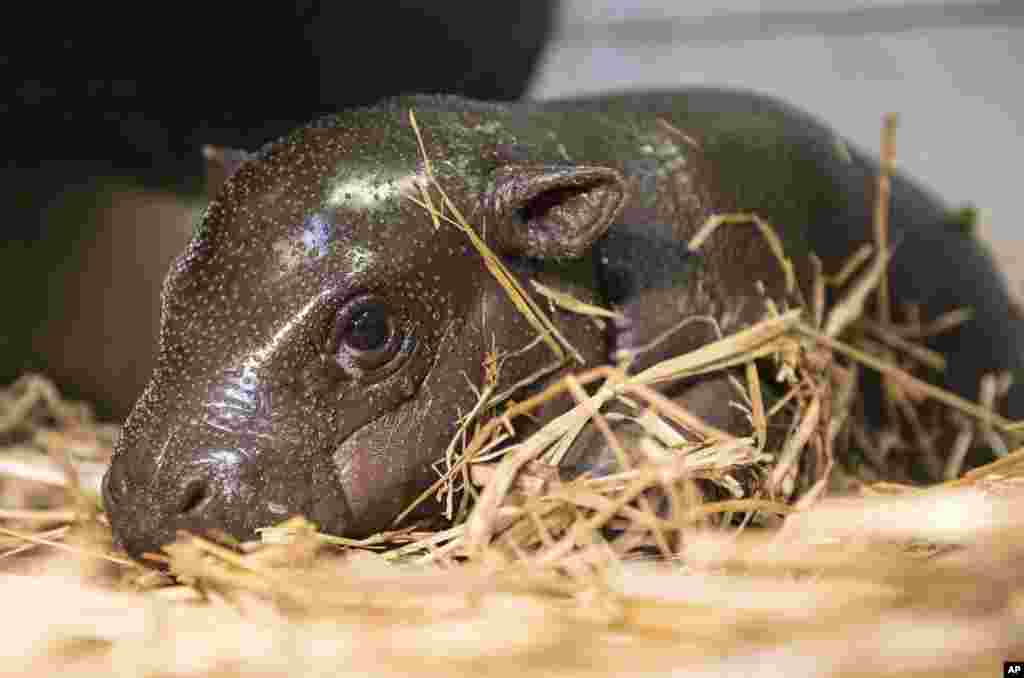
<point x="320" y="333"/>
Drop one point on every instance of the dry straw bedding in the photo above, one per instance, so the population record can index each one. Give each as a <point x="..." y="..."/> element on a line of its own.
<point x="776" y="556"/>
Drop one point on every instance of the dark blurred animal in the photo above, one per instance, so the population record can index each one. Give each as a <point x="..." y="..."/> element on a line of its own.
<point x="102" y="168"/>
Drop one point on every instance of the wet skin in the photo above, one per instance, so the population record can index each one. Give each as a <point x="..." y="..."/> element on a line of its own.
<point x="320" y="331"/>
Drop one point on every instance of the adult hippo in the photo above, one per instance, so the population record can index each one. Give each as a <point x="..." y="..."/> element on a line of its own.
<point x="320" y="332"/>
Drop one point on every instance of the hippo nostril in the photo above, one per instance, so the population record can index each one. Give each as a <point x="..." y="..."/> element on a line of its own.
<point x="194" y="497"/>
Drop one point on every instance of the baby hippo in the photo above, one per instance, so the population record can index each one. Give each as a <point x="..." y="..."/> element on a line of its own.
<point x="321" y="331"/>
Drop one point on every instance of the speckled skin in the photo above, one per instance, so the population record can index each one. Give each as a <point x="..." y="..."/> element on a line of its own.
<point x="273" y="395"/>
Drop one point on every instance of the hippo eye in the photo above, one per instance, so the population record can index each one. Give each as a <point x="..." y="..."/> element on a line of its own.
<point x="365" y="336"/>
<point x="368" y="330"/>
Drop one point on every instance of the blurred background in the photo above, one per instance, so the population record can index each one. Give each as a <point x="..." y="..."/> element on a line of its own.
<point x="952" y="69"/>
<point x="106" y="112"/>
<point x="108" y="106"/>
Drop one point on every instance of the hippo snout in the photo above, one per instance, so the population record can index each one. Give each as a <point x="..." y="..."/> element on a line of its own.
<point x="209" y="491"/>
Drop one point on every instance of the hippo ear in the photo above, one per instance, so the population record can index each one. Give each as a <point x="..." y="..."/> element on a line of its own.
<point x="552" y="211"/>
<point x="221" y="163"/>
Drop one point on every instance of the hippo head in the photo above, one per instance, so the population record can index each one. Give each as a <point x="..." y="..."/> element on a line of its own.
<point x="322" y="334"/>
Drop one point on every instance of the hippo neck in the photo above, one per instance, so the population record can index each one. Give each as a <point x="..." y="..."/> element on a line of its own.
<point x="632" y="270"/>
<point x="583" y="272"/>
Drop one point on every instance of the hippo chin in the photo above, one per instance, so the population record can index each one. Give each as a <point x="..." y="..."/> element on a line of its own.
<point x="320" y="332"/>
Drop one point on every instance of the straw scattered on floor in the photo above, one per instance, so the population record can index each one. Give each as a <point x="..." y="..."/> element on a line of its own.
<point x="788" y="550"/>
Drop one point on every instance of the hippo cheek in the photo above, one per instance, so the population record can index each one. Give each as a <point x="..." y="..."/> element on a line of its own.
<point x="378" y="471"/>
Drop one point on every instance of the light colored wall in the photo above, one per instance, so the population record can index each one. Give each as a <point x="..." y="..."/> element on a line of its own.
<point x="583" y="11"/>
<point x="952" y="71"/>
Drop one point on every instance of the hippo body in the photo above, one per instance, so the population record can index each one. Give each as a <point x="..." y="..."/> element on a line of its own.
<point x="320" y="332"/>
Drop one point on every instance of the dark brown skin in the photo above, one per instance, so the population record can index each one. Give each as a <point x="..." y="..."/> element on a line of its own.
<point x="319" y="331"/>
